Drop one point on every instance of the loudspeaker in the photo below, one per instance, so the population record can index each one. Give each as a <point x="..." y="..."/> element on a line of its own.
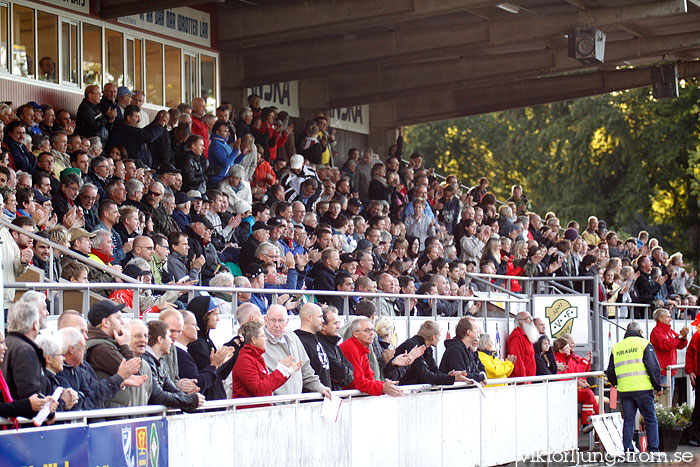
<point x="665" y="81"/>
<point x="587" y="45"/>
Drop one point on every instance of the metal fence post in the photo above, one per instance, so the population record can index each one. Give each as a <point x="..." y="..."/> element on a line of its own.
<point x="597" y="323"/>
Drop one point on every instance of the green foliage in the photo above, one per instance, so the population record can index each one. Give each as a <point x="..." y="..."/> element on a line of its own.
<point x="624" y="157"/>
<point x="677" y="416"/>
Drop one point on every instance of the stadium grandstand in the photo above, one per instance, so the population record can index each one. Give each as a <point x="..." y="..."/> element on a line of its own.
<point x="213" y="238"/>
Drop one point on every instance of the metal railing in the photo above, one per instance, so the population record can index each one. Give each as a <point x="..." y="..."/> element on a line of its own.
<point x="85" y="416"/>
<point x="52" y="248"/>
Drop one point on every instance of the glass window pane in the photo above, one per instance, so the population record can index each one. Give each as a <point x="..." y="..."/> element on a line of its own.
<point x="138" y="67"/>
<point x="4" y="40"/>
<point x="173" y="78"/>
<point x="114" y="47"/>
<point x="92" y="54"/>
<point x="208" y="80"/>
<point x="69" y="53"/>
<point x="47" y="45"/>
<point x="154" y="73"/>
<point x="190" y="77"/>
<point x="23" y="46"/>
<point x="130" y="64"/>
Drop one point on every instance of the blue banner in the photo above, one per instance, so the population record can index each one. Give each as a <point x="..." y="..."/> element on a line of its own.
<point x="141" y="443"/>
<point x="59" y="445"/>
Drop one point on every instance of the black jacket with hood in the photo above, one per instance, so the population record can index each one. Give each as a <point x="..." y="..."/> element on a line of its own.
<point x="544" y="368"/>
<point x="422" y="370"/>
<point x="341" y="369"/>
<point x="201" y="348"/>
<point x="458" y="357"/>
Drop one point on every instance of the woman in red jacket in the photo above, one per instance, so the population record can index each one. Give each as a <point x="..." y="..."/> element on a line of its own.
<point x="250" y="375"/>
<point x="588" y="401"/>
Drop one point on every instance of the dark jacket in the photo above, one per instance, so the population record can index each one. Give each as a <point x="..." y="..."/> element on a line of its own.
<point x="458" y="357"/>
<point x="61" y="205"/>
<point x="178" y="267"/>
<point x="317" y="356"/>
<point x="646" y="288"/>
<point x="197" y="248"/>
<point x="92" y="392"/>
<point x="105" y="355"/>
<point x="90" y="121"/>
<point x="323" y="279"/>
<point x="340" y="368"/>
<point x="247" y="256"/>
<point x="92" y="177"/>
<point x="200" y="349"/>
<point x="24" y="160"/>
<point x="23" y="366"/>
<point x="422" y="370"/>
<point x="194" y="169"/>
<point x="164" y="390"/>
<point x="136" y="140"/>
<point x="187" y="368"/>
<point x="544" y="368"/>
<point x="651" y="363"/>
<point x="17" y="408"/>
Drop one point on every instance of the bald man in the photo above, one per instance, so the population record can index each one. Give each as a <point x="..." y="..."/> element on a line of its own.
<point x="173" y="318"/>
<point x="311" y="323"/>
<point x="187" y="368"/>
<point x="200" y="128"/>
<point x="143" y="248"/>
<point x="282" y="343"/>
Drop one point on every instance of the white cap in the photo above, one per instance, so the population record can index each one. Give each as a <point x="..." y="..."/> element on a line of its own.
<point x="242" y="206"/>
<point x="296" y="162"/>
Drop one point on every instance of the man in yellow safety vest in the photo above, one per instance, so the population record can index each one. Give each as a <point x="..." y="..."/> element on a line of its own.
<point x="635" y="370"/>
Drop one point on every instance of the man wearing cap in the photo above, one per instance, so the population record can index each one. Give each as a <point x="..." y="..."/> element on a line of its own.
<point x="80" y="243"/>
<point x="181" y="214"/>
<point x="167" y="176"/>
<point x="108" y="344"/>
<point x="123" y="99"/>
<point x="199" y="233"/>
<point x="292" y="180"/>
<point x="255" y="274"/>
<point x="260" y="233"/>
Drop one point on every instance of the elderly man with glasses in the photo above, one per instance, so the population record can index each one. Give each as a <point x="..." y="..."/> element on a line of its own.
<point x="281" y="343"/>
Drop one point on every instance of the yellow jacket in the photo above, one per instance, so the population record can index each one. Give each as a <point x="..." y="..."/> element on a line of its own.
<point x="495" y="367"/>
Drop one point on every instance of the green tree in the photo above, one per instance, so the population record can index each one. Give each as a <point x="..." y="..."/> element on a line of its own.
<point x="625" y="157"/>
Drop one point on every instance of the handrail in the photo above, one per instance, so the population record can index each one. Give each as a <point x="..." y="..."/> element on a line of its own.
<point x="67" y="251"/>
<point x="200" y="288"/>
<point x="85" y="415"/>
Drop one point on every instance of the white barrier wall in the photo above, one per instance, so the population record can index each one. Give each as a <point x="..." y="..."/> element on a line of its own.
<point x="440" y="428"/>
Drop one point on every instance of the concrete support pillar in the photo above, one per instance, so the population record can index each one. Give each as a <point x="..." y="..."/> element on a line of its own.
<point x="383" y="131"/>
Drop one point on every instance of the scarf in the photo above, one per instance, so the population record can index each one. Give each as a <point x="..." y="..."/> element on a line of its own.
<point x="105" y="258"/>
<point x="8" y="398"/>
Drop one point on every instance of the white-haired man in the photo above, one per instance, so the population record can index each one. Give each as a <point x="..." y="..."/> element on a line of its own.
<point x="520" y="344"/>
<point x="282" y="343"/>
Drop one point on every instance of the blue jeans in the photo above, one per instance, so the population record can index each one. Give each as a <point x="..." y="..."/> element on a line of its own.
<point x="645" y="404"/>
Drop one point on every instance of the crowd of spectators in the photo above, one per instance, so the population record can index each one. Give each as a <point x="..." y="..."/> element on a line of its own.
<point x="237" y="199"/>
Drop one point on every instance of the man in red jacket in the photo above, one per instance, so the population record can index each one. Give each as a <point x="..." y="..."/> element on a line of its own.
<point x="692" y="368"/>
<point x="520" y="344"/>
<point x="667" y="342"/>
<point x="355" y="350"/>
<point x="199" y="109"/>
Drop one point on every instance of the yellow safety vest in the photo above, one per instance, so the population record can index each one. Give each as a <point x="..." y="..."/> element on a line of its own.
<point x="629" y="367"/>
